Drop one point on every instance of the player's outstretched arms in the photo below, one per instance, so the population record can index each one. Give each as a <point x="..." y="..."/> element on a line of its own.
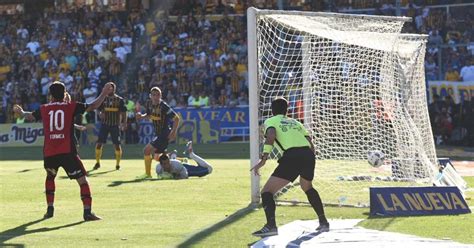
<point x="108" y="88"/>
<point x="24" y="114"/>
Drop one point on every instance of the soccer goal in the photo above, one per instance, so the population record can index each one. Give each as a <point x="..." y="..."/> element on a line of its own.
<point x="357" y="84"/>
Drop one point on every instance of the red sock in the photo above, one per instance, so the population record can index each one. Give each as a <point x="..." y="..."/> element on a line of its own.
<point x="86" y="195"/>
<point x="50" y="188"/>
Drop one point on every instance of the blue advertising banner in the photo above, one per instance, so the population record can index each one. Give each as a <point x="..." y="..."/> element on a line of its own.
<point x="205" y="125"/>
<point x="26" y="134"/>
<point x="410" y="201"/>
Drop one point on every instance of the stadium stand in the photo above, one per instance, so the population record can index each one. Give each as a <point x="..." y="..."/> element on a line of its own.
<point x="197" y="53"/>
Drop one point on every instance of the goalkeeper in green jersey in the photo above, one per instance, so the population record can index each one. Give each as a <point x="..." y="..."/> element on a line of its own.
<point x="176" y="169"/>
<point x="298" y="160"/>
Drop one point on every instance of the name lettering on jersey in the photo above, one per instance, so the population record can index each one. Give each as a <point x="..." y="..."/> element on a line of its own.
<point x="56" y="136"/>
<point x="28" y="135"/>
<point x="56" y="103"/>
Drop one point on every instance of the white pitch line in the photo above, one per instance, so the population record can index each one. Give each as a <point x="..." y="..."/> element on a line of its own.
<point x="345" y="234"/>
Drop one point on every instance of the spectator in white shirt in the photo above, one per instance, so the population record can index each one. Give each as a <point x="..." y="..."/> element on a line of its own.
<point x="192" y="99"/>
<point x="90" y="92"/>
<point x="22" y="32"/>
<point x="68" y="81"/>
<point x="50" y="62"/>
<point x="430" y="69"/>
<point x="91" y="75"/>
<point x="467" y="72"/>
<point x="98" y="48"/>
<point x="33" y="46"/>
<point x="121" y="53"/>
<point x="45" y="81"/>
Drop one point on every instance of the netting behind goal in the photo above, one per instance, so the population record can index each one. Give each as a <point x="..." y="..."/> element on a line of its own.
<point x="358" y="85"/>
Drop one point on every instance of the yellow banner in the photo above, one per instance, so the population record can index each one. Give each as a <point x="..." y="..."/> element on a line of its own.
<point x="111" y="109"/>
<point x="459" y="91"/>
<point x="27" y="134"/>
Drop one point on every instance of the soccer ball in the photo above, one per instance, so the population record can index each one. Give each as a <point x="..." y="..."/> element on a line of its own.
<point x="375" y="158"/>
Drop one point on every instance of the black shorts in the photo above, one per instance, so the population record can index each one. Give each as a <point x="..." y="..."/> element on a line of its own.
<point x="299" y="161"/>
<point x="160" y="143"/>
<point x="70" y="162"/>
<point x="114" y="133"/>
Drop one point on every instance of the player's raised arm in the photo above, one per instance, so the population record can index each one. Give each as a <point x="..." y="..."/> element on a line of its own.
<point x="23" y="114"/>
<point x="108" y="88"/>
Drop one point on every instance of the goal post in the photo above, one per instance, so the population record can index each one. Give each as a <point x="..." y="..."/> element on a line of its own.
<point x="253" y="102"/>
<point x="356" y="84"/>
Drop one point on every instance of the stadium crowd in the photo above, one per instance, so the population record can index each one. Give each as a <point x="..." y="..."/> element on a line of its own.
<point x="197" y="54"/>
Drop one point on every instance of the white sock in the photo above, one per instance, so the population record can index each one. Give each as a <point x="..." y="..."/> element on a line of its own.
<point x="200" y="161"/>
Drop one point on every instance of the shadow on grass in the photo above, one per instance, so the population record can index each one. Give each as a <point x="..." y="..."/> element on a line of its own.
<point x="388" y="221"/>
<point x="118" y="183"/>
<point x="21" y="231"/>
<point x="27" y="170"/>
<point x="90" y="174"/>
<point x="221" y="224"/>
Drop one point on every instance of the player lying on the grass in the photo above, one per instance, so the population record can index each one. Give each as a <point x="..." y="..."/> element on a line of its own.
<point x="176" y="169"/>
<point x="298" y="160"/>
<point x="59" y="148"/>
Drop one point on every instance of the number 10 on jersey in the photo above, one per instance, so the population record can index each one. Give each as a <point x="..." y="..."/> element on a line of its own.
<point x="56" y="120"/>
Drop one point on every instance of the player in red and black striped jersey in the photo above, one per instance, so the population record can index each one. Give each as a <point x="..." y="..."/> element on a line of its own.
<point x="59" y="148"/>
<point x="161" y="114"/>
<point x="113" y="117"/>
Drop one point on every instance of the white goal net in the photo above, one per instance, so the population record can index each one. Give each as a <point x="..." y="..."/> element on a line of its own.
<point x="357" y="84"/>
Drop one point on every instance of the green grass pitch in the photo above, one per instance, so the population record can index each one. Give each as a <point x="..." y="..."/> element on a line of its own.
<point x="203" y="212"/>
